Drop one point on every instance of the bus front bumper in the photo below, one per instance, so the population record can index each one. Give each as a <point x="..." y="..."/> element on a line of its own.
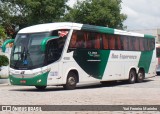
<point x="39" y="80"/>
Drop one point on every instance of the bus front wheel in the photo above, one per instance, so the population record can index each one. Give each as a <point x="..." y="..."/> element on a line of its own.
<point x="132" y="76"/>
<point x="71" y="81"/>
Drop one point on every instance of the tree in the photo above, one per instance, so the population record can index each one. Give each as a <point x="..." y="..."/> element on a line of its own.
<point x="25" y="13"/>
<point x="4" y="61"/>
<point x="97" y="12"/>
<point x="2" y="33"/>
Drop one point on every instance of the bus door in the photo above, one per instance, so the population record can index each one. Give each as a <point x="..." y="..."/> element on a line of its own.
<point x="54" y="53"/>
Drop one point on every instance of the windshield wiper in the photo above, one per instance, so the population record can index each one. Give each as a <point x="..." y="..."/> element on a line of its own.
<point x="21" y="57"/>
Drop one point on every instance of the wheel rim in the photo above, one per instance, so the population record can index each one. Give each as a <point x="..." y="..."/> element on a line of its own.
<point x="132" y="77"/>
<point x="140" y="75"/>
<point x="71" y="81"/>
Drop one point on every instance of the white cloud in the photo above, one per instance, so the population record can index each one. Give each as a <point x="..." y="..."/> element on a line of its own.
<point x="142" y="14"/>
<point x="71" y="2"/>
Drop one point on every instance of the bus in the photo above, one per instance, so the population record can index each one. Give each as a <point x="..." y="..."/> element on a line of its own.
<point x="66" y="54"/>
<point x="158" y="58"/>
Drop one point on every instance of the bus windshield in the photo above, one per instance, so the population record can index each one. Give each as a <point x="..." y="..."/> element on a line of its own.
<point x="26" y="52"/>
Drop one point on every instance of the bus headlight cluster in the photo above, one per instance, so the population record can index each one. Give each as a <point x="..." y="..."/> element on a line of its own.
<point x="41" y="72"/>
<point x="46" y="70"/>
<point x="37" y="73"/>
<point x="10" y="73"/>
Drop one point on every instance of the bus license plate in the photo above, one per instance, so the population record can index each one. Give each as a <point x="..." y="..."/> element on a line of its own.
<point x="23" y="81"/>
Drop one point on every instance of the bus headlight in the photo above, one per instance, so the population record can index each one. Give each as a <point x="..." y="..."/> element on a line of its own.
<point x="46" y="70"/>
<point x="10" y="73"/>
<point x="37" y="73"/>
<point x="41" y="72"/>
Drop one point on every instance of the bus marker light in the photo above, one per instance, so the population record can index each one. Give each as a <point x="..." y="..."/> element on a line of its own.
<point x="38" y="81"/>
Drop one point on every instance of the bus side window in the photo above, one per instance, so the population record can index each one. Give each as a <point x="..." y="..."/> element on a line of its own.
<point x="149" y="44"/>
<point x="73" y="40"/>
<point x="80" y="40"/>
<point x="54" y="33"/>
<point x="141" y="44"/>
<point x="125" y="43"/>
<point x="89" y="41"/>
<point x="105" y="41"/>
<point x="97" y="42"/>
<point x="112" y="42"/>
<point x="145" y="43"/>
<point x="118" y="43"/>
<point x="152" y="44"/>
<point x="85" y="35"/>
<point x="131" y="43"/>
<point x="136" y="44"/>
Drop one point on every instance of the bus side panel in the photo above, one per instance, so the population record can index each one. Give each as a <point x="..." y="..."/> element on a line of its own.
<point x="54" y="75"/>
<point x="152" y="67"/>
<point x="119" y="65"/>
<point x="114" y="68"/>
<point x="93" y="62"/>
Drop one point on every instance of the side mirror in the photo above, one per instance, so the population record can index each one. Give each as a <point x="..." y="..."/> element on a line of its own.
<point x="45" y="40"/>
<point x="5" y="43"/>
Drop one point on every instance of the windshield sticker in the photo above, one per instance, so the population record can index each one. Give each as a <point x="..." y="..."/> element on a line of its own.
<point x="23" y="36"/>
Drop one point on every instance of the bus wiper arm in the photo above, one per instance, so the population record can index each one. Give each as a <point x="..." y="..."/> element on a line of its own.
<point x="20" y="57"/>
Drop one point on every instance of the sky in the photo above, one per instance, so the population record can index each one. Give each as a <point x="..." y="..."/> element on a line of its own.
<point x="141" y="14"/>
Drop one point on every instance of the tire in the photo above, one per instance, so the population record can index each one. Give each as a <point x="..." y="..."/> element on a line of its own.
<point x="140" y="76"/>
<point x="41" y="87"/>
<point x="71" y="81"/>
<point x="132" y="77"/>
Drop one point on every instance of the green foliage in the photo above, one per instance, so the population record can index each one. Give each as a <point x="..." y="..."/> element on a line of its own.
<point x="45" y="11"/>
<point x="97" y="12"/>
<point x="2" y="33"/>
<point x="29" y="12"/>
<point x="3" y="60"/>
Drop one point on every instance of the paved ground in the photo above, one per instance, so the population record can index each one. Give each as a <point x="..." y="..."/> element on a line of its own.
<point x="4" y="81"/>
<point x="146" y="93"/>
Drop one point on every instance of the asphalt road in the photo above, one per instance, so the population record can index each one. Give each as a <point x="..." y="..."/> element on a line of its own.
<point x="112" y="93"/>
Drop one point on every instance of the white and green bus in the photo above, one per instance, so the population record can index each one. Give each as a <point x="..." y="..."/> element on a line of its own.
<point x="68" y="54"/>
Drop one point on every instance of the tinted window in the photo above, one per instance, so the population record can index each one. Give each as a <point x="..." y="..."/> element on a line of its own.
<point x="94" y="40"/>
<point x="54" y="49"/>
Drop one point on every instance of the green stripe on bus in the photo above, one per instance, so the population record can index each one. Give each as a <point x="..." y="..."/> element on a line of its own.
<point x="93" y="62"/>
<point x="104" y="56"/>
<point x="148" y="36"/>
<point x="40" y="80"/>
<point x="98" y="29"/>
<point x="145" y="60"/>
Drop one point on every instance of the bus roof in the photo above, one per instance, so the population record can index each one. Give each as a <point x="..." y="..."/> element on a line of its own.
<point x="69" y="25"/>
<point x="49" y="27"/>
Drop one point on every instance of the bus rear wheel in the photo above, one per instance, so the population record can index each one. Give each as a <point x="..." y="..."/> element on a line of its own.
<point x="71" y="81"/>
<point x="140" y="76"/>
<point x="41" y="87"/>
<point x="132" y="76"/>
